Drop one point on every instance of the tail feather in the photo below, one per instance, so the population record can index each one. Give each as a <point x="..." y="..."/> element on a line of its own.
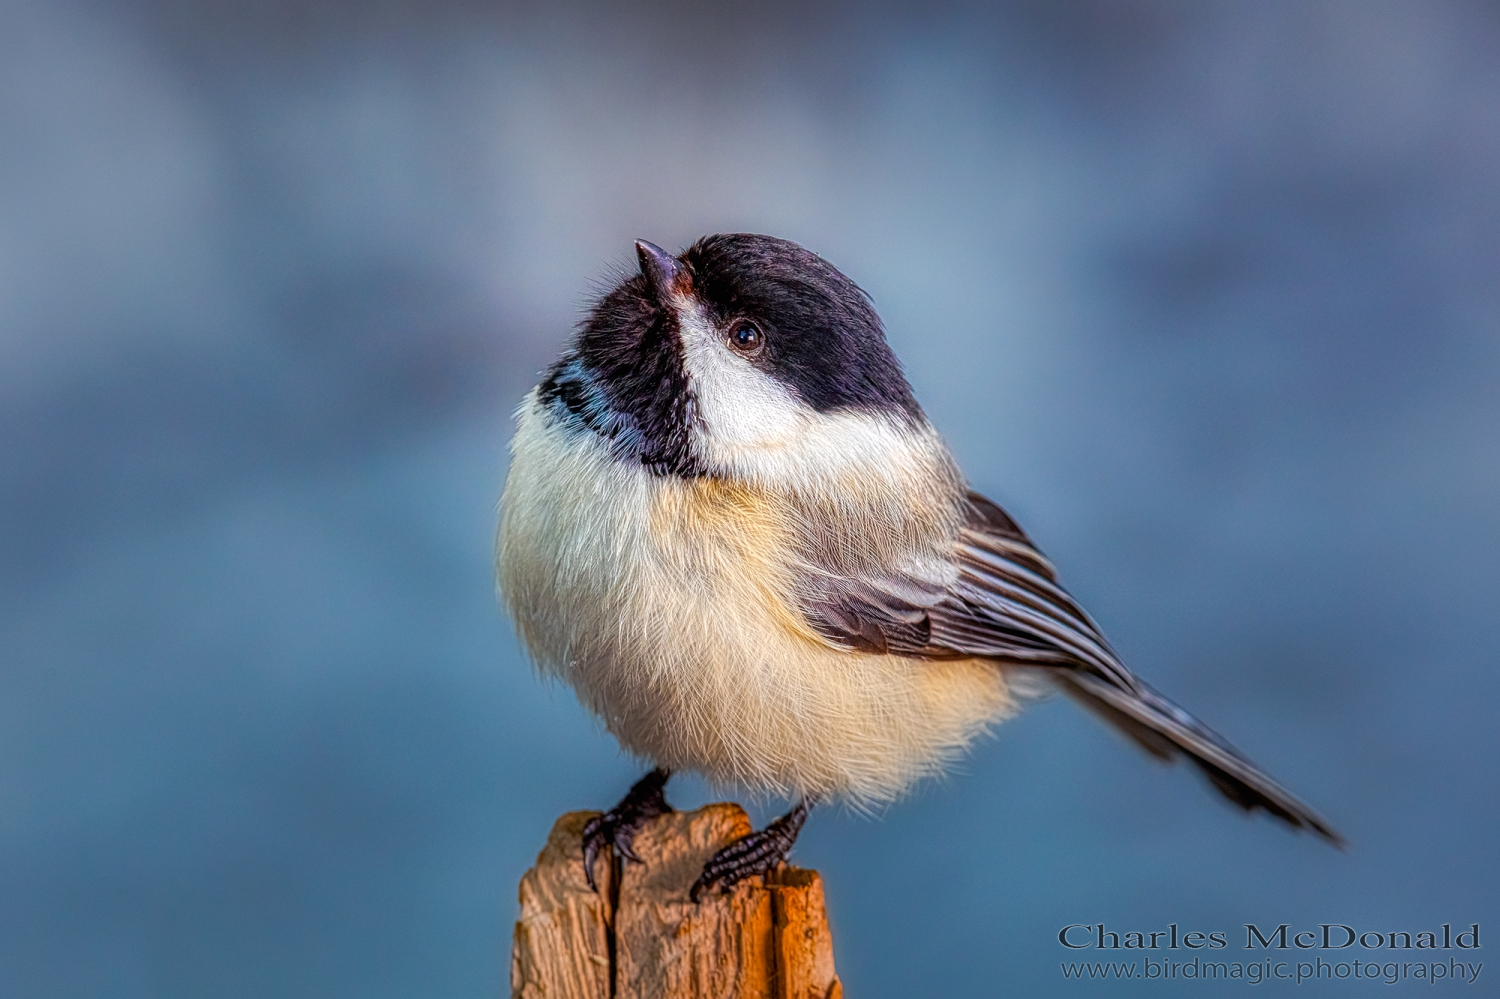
<point x="1164" y="730"/>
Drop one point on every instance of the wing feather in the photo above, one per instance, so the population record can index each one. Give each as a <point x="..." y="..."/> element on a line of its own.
<point x="998" y="598"/>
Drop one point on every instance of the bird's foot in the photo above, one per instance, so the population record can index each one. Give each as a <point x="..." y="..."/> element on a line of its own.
<point x="756" y="853"/>
<point x="618" y="826"/>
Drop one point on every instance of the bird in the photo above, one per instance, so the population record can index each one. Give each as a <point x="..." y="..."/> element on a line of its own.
<point x="731" y="528"/>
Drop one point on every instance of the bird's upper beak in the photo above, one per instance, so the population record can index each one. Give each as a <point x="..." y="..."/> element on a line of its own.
<point x="665" y="273"/>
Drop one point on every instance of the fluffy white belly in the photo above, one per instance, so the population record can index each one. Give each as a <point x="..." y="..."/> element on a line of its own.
<point x="666" y="603"/>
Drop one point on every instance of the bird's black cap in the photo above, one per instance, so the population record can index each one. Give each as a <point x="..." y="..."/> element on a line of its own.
<point x="823" y="338"/>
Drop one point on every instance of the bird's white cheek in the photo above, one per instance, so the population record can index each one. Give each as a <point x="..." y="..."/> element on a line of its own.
<point x="739" y="406"/>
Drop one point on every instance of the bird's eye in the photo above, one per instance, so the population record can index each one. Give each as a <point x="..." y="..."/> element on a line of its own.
<point x="746" y="338"/>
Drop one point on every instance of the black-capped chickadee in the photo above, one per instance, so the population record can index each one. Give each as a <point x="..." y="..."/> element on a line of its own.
<point x="730" y="527"/>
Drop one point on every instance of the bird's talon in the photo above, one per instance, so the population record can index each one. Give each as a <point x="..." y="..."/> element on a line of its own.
<point x="618" y="826"/>
<point x="757" y="853"/>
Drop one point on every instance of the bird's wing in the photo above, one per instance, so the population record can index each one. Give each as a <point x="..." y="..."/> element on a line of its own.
<point x="1004" y="603"/>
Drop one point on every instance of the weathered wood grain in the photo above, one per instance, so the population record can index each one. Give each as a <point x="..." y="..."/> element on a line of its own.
<point x="562" y="941"/>
<point x="641" y="937"/>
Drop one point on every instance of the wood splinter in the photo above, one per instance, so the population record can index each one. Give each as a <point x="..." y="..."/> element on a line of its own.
<point x="640" y="937"/>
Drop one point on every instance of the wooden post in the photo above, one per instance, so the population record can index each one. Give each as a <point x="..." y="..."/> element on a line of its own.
<point x="641" y="937"/>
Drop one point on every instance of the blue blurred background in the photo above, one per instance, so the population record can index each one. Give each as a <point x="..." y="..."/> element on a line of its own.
<point x="1207" y="295"/>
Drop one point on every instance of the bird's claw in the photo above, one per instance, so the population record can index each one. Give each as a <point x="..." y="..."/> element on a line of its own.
<point x="758" y="853"/>
<point x="618" y="826"/>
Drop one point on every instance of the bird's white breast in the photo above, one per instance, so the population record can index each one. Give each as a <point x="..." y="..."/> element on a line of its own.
<point x="669" y="605"/>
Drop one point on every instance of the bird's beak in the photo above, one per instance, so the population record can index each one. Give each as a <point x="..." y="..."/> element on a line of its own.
<point x="666" y="276"/>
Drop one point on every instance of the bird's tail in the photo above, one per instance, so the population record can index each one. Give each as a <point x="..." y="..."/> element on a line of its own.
<point x="1164" y="730"/>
